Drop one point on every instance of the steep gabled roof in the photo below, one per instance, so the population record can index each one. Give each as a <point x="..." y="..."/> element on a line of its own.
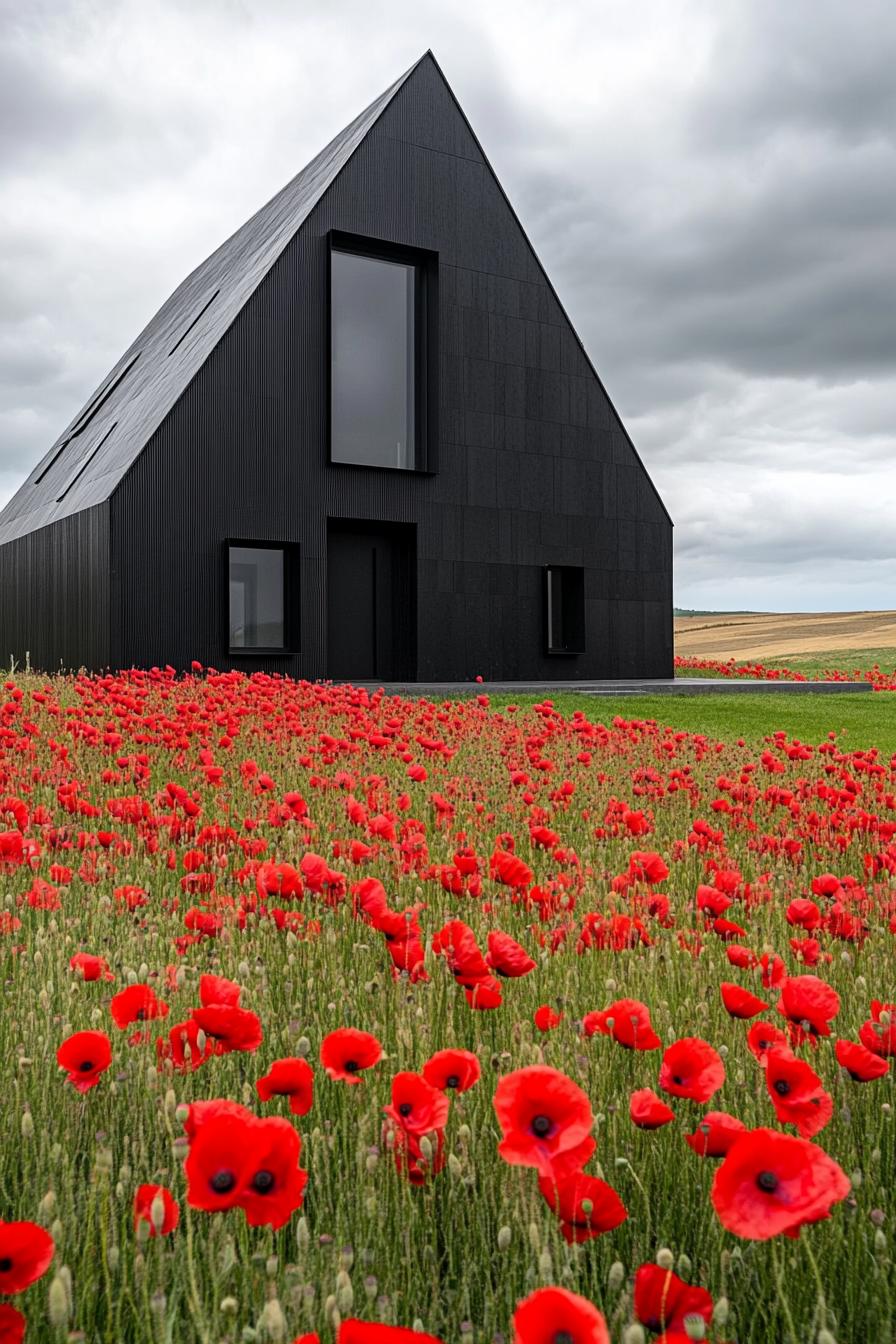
<point x="92" y="455"/>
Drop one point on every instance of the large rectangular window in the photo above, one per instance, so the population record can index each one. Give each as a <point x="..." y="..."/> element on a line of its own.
<point x="565" y="608"/>
<point x="382" y="354"/>
<point x="257" y="598"/>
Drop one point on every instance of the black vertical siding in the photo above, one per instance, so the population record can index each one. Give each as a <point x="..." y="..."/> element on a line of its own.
<point x="534" y="467"/>
<point x="54" y="594"/>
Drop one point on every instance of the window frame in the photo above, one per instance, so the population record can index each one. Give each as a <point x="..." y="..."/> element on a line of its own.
<point x="566" y="652"/>
<point x="426" y="350"/>
<point x="291" y="604"/>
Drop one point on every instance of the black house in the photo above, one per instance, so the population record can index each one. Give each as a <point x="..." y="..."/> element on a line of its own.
<point x="360" y="441"/>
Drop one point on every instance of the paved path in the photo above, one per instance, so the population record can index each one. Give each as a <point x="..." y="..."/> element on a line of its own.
<point x="670" y="686"/>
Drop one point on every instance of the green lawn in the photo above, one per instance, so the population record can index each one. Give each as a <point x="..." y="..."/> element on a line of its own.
<point x="866" y="719"/>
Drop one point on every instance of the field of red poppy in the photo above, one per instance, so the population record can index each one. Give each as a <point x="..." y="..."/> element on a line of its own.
<point x="326" y="1013"/>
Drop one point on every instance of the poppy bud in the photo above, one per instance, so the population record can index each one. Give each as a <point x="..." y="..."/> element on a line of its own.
<point x="157" y="1212"/>
<point x="695" y="1327"/>
<point x="47" y="1207"/>
<point x="345" y="1295"/>
<point x="158" y="1302"/>
<point x="535" y="1236"/>
<point x="504" y="1237"/>
<point x="545" y="1266"/>
<point x="371" y="1162"/>
<point x="720" y="1313"/>
<point x="27" y="1126"/>
<point x="303" y="1236"/>
<point x="370" y="1287"/>
<point x="664" y="1258"/>
<point x="634" y="1335"/>
<point x="616" y="1276"/>
<point x="271" y="1265"/>
<point x="684" y="1266"/>
<point x="464" y="1133"/>
<point x="272" y="1322"/>
<point x="57" y="1303"/>
<point x="229" y="1306"/>
<point x="455" y="1166"/>
<point x="825" y="1337"/>
<point x="113" y="1257"/>
<point x="303" y="1047"/>
<point x="143" y="1231"/>
<point x="426" y="1147"/>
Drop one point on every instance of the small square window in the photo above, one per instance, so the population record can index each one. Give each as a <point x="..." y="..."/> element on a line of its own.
<point x="258" y="598"/>
<point x="565" y="609"/>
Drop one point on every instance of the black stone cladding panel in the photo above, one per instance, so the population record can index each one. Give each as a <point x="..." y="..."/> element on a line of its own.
<point x="534" y="467"/>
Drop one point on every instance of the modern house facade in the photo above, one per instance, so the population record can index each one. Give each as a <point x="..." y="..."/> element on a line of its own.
<point x="360" y="441"/>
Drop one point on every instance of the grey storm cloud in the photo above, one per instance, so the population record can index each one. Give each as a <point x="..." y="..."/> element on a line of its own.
<point x="711" y="187"/>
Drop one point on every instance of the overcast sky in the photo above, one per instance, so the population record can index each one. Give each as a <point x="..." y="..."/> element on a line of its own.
<point x="710" y="185"/>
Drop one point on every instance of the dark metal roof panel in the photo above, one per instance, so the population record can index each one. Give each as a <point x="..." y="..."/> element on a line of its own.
<point x="110" y="431"/>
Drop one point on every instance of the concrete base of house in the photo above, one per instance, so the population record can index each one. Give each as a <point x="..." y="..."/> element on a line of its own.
<point x="667" y="686"/>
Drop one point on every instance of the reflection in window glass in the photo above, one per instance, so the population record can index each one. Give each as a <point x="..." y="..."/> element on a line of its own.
<point x="372" y="361"/>
<point x="256" y="598"/>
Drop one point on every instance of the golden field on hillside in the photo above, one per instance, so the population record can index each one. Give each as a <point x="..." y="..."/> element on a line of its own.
<point x="759" y="636"/>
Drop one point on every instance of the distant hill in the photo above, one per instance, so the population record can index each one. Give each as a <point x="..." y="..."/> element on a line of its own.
<point x="831" y="635"/>
<point x="692" y="611"/>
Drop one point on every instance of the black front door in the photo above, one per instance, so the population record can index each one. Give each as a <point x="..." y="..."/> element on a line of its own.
<point x="371" y="601"/>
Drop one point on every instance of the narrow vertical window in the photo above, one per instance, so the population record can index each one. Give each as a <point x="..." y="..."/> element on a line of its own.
<point x="565" y="609"/>
<point x="375" y="333"/>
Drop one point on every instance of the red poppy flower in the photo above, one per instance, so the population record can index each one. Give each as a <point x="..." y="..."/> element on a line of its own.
<point x="12" y="1325"/>
<point x="545" y="1018"/>
<point x="647" y="1111"/>
<point x="645" y="866"/>
<point x="663" y="1302"/>
<point x="770" y="1183"/>
<point x="410" y="1160"/>
<point x="627" y="1021"/>
<point x="510" y="869"/>
<point x="715" y="1134"/>
<point x="347" y="1052"/>
<point x="293" y="1078"/>
<point x="85" y="1055"/>
<point x="416" y="1105"/>
<point x="454" y="1070"/>
<point x="809" y="1004"/>
<point x="804" y="913"/>
<point x="274" y="1184"/>
<point x="25" y="1254"/>
<point x="878" y="1034"/>
<point x="774" y="972"/>
<point x="763" y="1037"/>
<point x="506" y="957"/>
<point x="484" y="994"/>
<point x="740" y="1002"/>
<point x="230" y="1028"/>
<point x="797" y="1093"/>
<point x="691" y="1068"/>
<point x="144" y="1200"/>
<point x="215" y="989"/>
<point x="90" y="967"/>
<point x="181" y="1048"/>
<point x="238" y="1161"/>
<point x="741" y="957"/>
<point x="200" y="1112"/>
<point x="586" y="1206"/>
<point x="550" y="1314"/>
<point x="137" y="1003"/>
<point x="545" y="1120"/>
<point x="862" y="1065"/>
<point x="354" y="1331"/>
<point x="457" y="943"/>
<point x="217" y="1165"/>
